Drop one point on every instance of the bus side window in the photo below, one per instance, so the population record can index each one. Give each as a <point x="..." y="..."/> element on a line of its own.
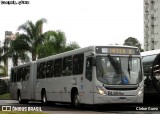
<point x="19" y="76"/>
<point x="12" y="75"/>
<point x="49" y="70"/>
<point x="78" y="61"/>
<point x="15" y="75"/>
<point x="67" y="66"/>
<point x="58" y="68"/>
<point x="27" y="72"/>
<point x="89" y="69"/>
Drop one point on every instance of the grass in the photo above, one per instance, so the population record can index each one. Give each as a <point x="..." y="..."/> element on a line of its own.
<point x="5" y="96"/>
<point x="22" y="112"/>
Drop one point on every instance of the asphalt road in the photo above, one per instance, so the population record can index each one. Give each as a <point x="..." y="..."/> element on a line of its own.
<point x="148" y="108"/>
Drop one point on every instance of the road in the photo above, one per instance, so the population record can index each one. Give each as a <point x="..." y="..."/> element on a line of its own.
<point x="67" y="109"/>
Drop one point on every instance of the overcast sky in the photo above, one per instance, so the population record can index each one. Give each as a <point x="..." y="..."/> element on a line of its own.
<point x="88" y="22"/>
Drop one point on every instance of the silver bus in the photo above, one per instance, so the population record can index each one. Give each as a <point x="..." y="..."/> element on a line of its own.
<point x="91" y="75"/>
<point x="151" y="67"/>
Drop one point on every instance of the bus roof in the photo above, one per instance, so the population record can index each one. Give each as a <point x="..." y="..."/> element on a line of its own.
<point x="81" y="50"/>
<point x="152" y="52"/>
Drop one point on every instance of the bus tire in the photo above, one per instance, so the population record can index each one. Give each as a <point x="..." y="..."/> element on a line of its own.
<point x="76" y="100"/>
<point x="44" y="98"/>
<point x="20" y="99"/>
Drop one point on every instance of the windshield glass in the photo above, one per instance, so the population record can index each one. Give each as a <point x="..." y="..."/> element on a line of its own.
<point x="118" y="70"/>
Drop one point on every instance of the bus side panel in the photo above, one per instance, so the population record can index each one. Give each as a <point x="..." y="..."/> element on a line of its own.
<point x="27" y="85"/>
<point x="70" y="82"/>
<point x="57" y="89"/>
<point x="53" y="88"/>
<point x="36" y="86"/>
<point x="49" y="89"/>
<point x="13" y="90"/>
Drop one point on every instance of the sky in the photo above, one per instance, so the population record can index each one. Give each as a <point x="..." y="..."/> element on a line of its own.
<point x="87" y="22"/>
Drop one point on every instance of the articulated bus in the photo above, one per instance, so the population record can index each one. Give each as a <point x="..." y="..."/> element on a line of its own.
<point x="91" y="75"/>
<point x="151" y="67"/>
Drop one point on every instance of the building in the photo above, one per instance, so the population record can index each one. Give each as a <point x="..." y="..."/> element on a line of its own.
<point x="7" y="62"/>
<point x="151" y="24"/>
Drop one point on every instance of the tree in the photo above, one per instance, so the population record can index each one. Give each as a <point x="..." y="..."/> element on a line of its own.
<point x="33" y="36"/>
<point x="71" y="46"/>
<point x="3" y="71"/>
<point x="54" y="43"/>
<point x="18" y="51"/>
<point x="133" y="42"/>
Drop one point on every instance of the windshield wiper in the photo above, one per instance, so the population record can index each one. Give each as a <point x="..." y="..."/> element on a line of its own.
<point x="129" y="64"/>
<point x="115" y="64"/>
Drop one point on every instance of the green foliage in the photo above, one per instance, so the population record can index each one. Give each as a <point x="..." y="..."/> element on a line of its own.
<point x="71" y="46"/>
<point x="2" y="71"/>
<point x="18" y="50"/>
<point x="32" y="36"/>
<point x="5" y="96"/>
<point x="38" y="44"/>
<point x="54" y="43"/>
<point x="133" y="42"/>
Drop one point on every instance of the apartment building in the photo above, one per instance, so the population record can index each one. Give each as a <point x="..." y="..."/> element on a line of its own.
<point x="151" y="24"/>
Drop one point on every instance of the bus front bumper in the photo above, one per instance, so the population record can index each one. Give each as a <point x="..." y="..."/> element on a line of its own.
<point x="105" y="99"/>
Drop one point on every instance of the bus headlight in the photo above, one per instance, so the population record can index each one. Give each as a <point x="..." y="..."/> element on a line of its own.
<point x="140" y="92"/>
<point x="101" y="91"/>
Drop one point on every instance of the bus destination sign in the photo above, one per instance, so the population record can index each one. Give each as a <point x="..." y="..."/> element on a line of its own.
<point x="117" y="50"/>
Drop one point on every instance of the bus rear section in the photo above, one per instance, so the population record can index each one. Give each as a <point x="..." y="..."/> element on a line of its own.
<point x="21" y="84"/>
<point x="118" y="77"/>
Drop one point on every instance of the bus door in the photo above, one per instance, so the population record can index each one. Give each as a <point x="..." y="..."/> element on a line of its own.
<point x="88" y="88"/>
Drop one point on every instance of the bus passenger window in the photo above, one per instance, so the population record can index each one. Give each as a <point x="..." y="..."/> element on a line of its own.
<point x="15" y="75"/>
<point x="49" y="71"/>
<point x="89" y="69"/>
<point x="12" y="72"/>
<point x="78" y="61"/>
<point x="67" y="66"/>
<point x="58" y="68"/>
<point x="27" y="72"/>
<point x="44" y="70"/>
<point x="19" y="75"/>
<point x="23" y="74"/>
<point x="41" y="70"/>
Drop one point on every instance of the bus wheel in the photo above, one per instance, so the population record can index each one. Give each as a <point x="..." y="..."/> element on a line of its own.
<point x="76" y="101"/>
<point x="44" y="98"/>
<point x="19" y="98"/>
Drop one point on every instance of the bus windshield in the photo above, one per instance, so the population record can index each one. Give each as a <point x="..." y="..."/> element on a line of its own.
<point x="113" y="70"/>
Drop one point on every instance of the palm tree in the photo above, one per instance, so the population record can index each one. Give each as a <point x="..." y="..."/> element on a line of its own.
<point x="18" y="51"/>
<point x="33" y="36"/>
<point x="71" y="46"/>
<point x="54" y="43"/>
